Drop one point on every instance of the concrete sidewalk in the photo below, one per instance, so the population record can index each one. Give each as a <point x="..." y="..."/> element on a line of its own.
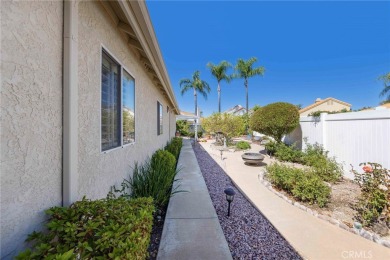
<point x="191" y="228"/>
<point x="313" y="238"/>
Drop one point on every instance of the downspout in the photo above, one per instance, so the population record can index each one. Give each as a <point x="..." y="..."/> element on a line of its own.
<point x="70" y="109"/>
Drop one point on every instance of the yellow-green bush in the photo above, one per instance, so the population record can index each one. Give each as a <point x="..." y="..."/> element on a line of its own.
<point x="100" y="229"/>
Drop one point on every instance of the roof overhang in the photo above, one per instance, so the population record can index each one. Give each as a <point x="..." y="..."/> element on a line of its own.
<point x="132" y="18"/>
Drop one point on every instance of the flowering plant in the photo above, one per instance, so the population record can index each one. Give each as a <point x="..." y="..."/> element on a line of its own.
<point x="374" y="202"/>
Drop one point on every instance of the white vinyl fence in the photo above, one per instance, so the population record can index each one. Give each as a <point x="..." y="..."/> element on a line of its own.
<point x="352" y="138"/>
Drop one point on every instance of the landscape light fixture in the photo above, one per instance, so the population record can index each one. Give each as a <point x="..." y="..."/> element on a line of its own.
<point x="229" y="197"/>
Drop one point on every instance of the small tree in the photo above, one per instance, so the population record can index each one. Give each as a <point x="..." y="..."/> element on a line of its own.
<point x="228" y="124"/>
<point x="276" y="119"/>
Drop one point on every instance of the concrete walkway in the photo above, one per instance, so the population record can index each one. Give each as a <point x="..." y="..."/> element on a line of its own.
<point x="191" y="228"/>
<point x="313" y="238"/>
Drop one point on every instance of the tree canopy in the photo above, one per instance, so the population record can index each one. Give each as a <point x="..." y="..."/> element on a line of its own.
<point x="275" y="120"/>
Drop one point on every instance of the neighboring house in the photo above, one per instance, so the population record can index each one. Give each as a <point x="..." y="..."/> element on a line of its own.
<point x="85" y="93"/>
<point x="329" y="104"/>
<point x="237" y="110"/>
<point x="383" y="106"/>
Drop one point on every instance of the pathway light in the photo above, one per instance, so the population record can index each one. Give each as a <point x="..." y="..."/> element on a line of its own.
<point x="229" y="197"/>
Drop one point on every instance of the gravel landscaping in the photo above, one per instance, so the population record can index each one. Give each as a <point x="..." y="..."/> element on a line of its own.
<point x="248" y="233"/>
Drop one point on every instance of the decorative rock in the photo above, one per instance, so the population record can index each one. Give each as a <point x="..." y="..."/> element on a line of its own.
<point x="296" y="204"/>
<point x="324" y="217"/>
<point x="385" y="243"/>
<point x="248" y="233"/>
<point x="302" y="207"/>
<point x="309" y="211"/>
<point x="334" y="221"/>
<point x="343" y="226"/>
<point x="366" y="234"/>
<point x="376" y="239"/>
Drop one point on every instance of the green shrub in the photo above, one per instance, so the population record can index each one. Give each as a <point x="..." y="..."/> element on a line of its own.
<point x="154" y="179"/>
<point x="164" y="157"/>
<point x="271" y="148"/>
<point x="101" y="229"/>
<point x="302" y="184"/>
<point x="182" y="127"/>
<point x="174" y="147"/>
<point x="315" y="156"/>
<point x="312" y="189"/>
<point x="242" y="145"/>
<point x="323" y="166"/>
<point x="199" y="133"/>
<point x="288" y="153"/>
<point x="276" y="119"/>
<point x="374" y="201"/>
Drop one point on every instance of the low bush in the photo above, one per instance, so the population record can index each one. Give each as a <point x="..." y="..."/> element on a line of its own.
<point x="174" y="147"/>
<point x="271" y="148"/>
<point x="288" y="153"/>
<point x="323" y="166"/>
<point x="374" y="202"/>
<point x="315" y="156"/>
<point x="199" y="134"/>
<point x="304" y="185"/>
<point x="163" y="157"/>
<point x="242" y="145"/>
<point x="154" y="178"/>
<point x="101" y="229"/>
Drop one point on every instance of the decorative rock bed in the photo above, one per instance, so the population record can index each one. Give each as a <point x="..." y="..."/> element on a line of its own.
<point x="248" y="233"/>
<point x="362" y="232"/>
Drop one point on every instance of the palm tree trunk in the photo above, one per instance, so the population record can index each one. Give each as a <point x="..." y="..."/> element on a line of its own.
<point x="246" y="88"/>
<point x="196" y="102"/>
<point x="247" y="105"/>
<point x="219" y="98"/>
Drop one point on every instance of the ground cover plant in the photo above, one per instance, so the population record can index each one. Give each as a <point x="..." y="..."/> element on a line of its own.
<point x="112" y="228"/>
<point x="374" y="202"/>
<point x="242" y="145"/>
<point x="302" y="184"/>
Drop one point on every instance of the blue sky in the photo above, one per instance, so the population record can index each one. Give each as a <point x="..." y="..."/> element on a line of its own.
<point x="310" y="49"/>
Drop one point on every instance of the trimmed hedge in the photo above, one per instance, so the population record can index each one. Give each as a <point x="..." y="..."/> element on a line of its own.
<point x="100" y="229"/>
<point x="276" y="119"/>
<point x="303" y="185"/>
<point x="174" y="146"/>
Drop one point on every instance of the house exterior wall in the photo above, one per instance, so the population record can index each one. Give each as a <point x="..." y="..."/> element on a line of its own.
<point x="32" y="113"/>
<point x="98" y="171"/>
<point x="31" y="117"/>
<point x="326" y="107"/>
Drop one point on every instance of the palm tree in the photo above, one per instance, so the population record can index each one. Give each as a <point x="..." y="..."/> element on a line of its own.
<point x="245" y="70"/>
<point x="386" y="89"/>
<point x="219" y="72"/>
<point x="197" y="85"/>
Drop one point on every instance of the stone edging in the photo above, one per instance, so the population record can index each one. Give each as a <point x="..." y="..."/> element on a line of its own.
<point x="363" y="233"/>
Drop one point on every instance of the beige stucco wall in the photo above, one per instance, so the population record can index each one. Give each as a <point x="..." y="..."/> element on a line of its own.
<point x="31" y="117"/>
<point x="98" y="171"/>
<point x="325" y="107"/>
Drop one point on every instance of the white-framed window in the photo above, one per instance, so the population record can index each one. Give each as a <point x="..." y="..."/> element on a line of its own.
<point x="159" y="118"/>
<point x="117" y="104"/>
